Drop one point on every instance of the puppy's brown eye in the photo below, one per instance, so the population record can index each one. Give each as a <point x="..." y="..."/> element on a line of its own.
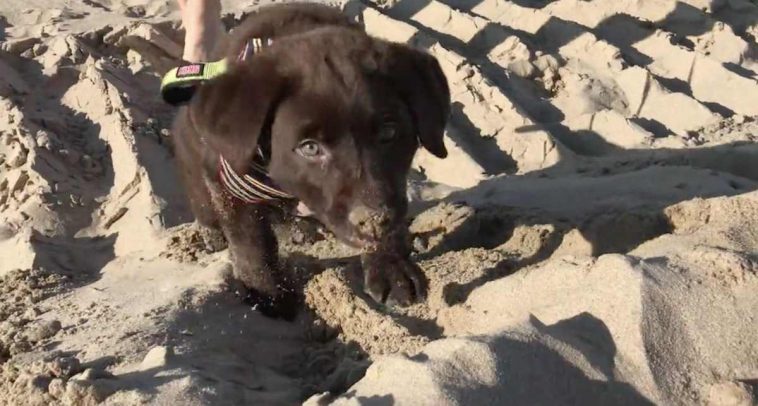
<point x="310" y="149"/>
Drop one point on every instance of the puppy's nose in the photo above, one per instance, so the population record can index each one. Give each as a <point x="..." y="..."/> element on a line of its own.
<point x="369" y="222"/>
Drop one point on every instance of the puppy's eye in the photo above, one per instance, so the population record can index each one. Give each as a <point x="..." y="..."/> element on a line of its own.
<point x="310" y="149"/>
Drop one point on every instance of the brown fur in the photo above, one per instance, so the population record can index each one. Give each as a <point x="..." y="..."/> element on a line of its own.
<point x="367" y="102"/>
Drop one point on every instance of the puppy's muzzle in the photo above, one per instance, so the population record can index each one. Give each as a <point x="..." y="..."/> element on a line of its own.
<point x="370" y="224"/>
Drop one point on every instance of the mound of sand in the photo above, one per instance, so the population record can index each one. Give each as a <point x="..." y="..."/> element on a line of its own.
<point x="591" y="238"/>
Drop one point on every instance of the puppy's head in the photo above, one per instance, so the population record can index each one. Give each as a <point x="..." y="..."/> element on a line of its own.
<point x="341" y="115"/>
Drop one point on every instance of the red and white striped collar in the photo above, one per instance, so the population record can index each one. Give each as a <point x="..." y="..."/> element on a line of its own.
<point x="252" y="47"/>
<point x="254" y="187"/>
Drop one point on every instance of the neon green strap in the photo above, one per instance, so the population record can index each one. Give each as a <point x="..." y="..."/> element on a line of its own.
<point x="179" y="84"/>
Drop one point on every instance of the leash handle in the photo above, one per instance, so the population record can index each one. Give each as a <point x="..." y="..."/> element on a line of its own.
<point x="180" y="83"/>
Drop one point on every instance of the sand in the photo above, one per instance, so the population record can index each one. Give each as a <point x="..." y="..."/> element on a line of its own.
<point x="591" y="239"/>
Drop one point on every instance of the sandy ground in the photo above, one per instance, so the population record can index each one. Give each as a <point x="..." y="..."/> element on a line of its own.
<point x="592" y="238"/>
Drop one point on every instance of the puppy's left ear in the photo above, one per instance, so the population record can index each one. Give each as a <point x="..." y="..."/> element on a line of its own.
<point x="422" y="84"/>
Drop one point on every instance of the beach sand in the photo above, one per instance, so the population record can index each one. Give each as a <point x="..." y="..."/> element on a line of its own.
<point x="592" y="237"/>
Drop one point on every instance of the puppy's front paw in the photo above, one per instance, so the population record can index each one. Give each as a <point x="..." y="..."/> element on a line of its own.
<point x="393" y="280"/>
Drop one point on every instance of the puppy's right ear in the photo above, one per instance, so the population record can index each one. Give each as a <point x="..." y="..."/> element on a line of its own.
<point x="231" y="111"/>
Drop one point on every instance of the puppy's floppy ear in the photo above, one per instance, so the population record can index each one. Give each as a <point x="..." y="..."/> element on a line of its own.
<point x="422" y="84"/>
<point x="231" y="111"/>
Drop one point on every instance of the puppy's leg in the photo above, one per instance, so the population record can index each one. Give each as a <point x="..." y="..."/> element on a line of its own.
<point x="390" y="277"/>
<point x="206" y="221"/>
<point x="253" y="250"/>
<point x="201" y="204"/>
<point x="188" y="154"/>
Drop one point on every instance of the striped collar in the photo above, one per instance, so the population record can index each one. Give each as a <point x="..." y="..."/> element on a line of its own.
<point x="253" y="46"/>
<point x="254" y="187"/>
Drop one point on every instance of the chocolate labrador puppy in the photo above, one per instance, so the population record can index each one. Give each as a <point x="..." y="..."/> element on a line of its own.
<point x="335" y="117"/>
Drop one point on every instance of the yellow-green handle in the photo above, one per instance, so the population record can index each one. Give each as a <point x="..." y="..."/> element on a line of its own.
<point x="180" y="83"/>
